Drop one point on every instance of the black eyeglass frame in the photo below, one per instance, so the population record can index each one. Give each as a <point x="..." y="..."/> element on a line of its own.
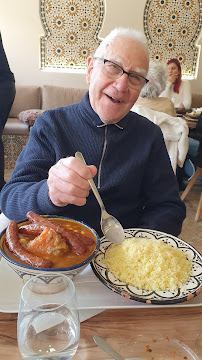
<point x="123" y="71"/>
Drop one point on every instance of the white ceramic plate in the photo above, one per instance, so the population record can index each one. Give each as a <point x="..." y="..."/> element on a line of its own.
<point x="192" y="288"/>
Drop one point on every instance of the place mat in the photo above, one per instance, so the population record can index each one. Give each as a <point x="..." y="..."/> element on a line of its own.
<point x="92" y="296"/>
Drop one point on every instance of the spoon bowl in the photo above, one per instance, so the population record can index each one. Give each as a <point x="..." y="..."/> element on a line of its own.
<point x="110" y="226"/>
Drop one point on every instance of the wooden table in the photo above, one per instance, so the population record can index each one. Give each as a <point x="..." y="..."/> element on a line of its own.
<point x="120" y="328"/>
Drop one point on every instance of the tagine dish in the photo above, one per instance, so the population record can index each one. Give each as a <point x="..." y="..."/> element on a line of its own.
<point x="48" y="243"/>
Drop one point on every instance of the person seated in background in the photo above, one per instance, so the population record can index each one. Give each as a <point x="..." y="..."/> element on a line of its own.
<point x="7" y="95"/>
<point x="161" y="111"/>
<point x="178" y="90"/>
<point x="149" y="95"/>
<point x="131" y="166"/>
<point x="174" y="129"/>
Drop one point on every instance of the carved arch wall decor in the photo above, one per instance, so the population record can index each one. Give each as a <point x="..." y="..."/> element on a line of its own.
<point x="71" y="32"/>
<point x="172" y="28"/>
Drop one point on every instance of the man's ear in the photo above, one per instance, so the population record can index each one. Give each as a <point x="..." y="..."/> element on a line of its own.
<point x="89" y="68"/>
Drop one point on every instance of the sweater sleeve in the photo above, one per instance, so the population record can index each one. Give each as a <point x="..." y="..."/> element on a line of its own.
<point x="27" y="188"/>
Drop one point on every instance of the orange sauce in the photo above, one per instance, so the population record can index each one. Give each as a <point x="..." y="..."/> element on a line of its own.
<point x="60" y="261"/>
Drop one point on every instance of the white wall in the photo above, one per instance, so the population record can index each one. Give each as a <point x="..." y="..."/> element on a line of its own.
<point x="21" y="29"/>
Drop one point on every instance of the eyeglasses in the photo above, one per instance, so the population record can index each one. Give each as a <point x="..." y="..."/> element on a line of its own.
<point x="114" y="71"/>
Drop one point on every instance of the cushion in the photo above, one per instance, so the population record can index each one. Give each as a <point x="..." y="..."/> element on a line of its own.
<point x="56" y="96"/>
<point x="27" y="97"/>
<point x="29" y="116"/>
<point x="15" y="127"/>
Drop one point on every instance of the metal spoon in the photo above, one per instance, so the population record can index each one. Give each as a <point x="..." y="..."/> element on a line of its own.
<point x="110" y="226"/>
<point x="108" y="349"/>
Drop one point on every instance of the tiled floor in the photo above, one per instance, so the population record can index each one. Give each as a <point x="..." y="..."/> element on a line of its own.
<point x="190" y="229"/>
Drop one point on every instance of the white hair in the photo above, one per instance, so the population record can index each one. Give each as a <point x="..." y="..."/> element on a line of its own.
<point x="157" y="76"/>
<point x="121" y="32"/>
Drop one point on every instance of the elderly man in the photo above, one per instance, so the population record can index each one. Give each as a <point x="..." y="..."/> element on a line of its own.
<point x="130" y="163"/>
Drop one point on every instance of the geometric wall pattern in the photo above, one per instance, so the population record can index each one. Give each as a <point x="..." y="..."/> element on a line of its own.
<point x="172" y="28"/>
<point x="71" y="32"/>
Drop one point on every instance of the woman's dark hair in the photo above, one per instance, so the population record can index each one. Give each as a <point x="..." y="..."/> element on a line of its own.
<point x="177" y="83"/>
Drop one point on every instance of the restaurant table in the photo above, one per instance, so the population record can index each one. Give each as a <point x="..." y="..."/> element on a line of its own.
<point x="119" y="327"/>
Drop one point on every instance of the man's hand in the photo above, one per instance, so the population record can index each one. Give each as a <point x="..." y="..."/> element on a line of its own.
<point x="68" y="182"/>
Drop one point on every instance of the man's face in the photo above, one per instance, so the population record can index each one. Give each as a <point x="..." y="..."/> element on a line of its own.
<point x="110" y="98"/>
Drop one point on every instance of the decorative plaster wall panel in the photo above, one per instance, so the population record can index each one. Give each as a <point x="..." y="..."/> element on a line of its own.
<point x="172" y="28"/>
<point x="71" y="32"/>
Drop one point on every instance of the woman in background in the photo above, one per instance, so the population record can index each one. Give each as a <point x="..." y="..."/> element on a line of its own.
<point x="7" y="95"/>
<point x="178" y="90"/>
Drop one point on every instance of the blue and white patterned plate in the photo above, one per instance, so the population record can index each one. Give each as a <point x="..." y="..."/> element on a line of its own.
<point x="192" y="288"/>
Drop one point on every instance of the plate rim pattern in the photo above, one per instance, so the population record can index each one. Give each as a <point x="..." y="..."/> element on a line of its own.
<point x="150" y="297"/>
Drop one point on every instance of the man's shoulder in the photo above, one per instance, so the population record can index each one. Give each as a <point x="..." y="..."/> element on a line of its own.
<point x="61" y="110"/>
<point x="57" y="117"/>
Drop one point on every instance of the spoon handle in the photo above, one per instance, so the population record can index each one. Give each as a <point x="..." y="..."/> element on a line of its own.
<point x="79" y="156"/>
<point x="107" y="348"/>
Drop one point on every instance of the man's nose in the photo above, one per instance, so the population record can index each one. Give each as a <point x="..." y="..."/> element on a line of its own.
<point x="122" y="82"/>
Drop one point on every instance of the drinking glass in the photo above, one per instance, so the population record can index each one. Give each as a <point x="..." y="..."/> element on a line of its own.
<point x="48" y="324"/>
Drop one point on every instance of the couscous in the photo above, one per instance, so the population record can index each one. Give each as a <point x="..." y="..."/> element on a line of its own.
<point x="148" y="264"/>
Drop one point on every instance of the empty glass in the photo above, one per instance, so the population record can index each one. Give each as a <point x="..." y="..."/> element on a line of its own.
<point x="48" y="320"/>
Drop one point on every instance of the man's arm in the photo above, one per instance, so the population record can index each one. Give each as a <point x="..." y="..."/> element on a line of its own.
<point x="43" y="180"/>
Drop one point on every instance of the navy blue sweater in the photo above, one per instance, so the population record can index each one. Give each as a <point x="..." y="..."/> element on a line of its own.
<point x="137" y="182"/>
